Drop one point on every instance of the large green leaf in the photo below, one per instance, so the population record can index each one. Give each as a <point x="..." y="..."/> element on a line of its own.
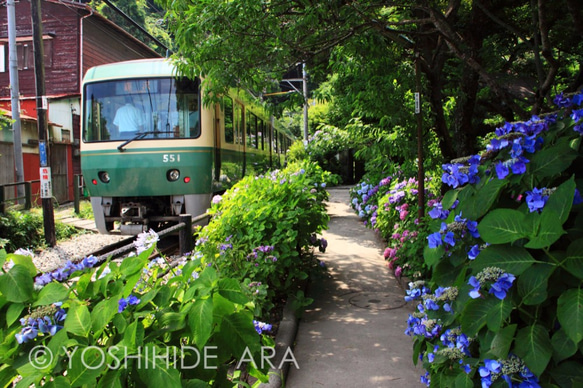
<point x="570" y="313"/>
<point x="568" y="374"/>
<point x="502" y="226"/>
<point x="475" y="315"/>
<point x="156" y="370"/>
<point x="78" y="320"/>
<point x="550" y="230"/>
<point x="111" y="379"/>
<point x="552" y="161"/>
<point x="498" y="313"/>
<point x="432" y="256"/>
<point x="231" y="290"/>
<point x="449" y="198"/>
<point x="85" y="365"/>
<point x="479" y="204"/>
<point x="102" y="314"/>
<point x="200" y="321"/>
<point x="514" y="260"/>
<point x="57" y="382"/>
<point x="238" y="335"/>
<point x="17" y="285"/>
<point x="574" y="259"/>
<point x="500" y="345"/>
<point x="171" y="321"/>
<point x="132" y="265"/>
<point x="563" y="346"/>
<point x="51" y="293"/>
<point x="13" y="313"/>
<point x="561" y="201"/>
<point x="532" y="284"/>
<point x="533" y="345"/>
<point x="25" y="261"/>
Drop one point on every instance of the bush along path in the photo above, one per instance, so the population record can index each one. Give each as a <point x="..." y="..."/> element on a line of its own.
<point x="502" y="305"/>
<point x="496" y="262"/>
<point x="141" y="323"/>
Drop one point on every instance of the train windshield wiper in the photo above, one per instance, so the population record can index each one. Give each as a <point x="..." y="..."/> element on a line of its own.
<point x="139" y="136"/>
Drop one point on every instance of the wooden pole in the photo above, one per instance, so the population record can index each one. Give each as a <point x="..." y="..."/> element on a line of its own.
<point x="420" y="159"/>
<point x="42" y="125"/>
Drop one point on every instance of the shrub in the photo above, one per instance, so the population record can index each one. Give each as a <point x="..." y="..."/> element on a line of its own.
<point x="134" y="323"/>
<point x="503" y="303"/>
<point x="26" y="230"/>
<point x="391" y="207"/>
<point x="262" y="230"/>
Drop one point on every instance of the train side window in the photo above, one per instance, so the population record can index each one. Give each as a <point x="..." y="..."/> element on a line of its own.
<point x="251" y="130"/>
<point x="238" y="123"/>
<point x="229" y="120"/>
<point x="260" y="130"/>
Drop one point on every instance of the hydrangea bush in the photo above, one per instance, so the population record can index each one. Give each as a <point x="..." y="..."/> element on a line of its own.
<point x="391" y="208"/>
<point x="263" y="230"/>
<point x="503" y="305"/>
<point x="195" y="322"/>
<point x="134" y="323"/>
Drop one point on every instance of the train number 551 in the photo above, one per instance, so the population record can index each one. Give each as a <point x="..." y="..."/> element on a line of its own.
<point x="170" y="158"/>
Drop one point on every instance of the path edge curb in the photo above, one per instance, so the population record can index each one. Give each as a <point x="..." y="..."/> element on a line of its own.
<point x="284" y="340"/>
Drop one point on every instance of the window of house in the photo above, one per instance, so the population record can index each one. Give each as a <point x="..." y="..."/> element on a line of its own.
<point x="2" y="58"/>
<point x="25" y="53"/>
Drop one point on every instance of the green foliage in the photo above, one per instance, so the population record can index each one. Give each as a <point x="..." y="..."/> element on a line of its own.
<point x="297" y="152"/>
<point x="26" y="230"/>
<point x="506" y="262"/>
<point x="128" y="324"/>
<point x="85" y="210"/>
<point x="262" y="231"/>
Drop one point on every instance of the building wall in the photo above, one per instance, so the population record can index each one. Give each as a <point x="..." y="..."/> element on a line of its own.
<point x="60" y="25"/>
<point x="103" y="44"/>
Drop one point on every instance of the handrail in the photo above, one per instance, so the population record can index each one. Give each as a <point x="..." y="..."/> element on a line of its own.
<point x="27" y="195"/>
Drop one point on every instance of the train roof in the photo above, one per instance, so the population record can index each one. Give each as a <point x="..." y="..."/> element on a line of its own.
<point x="139" y="68"/>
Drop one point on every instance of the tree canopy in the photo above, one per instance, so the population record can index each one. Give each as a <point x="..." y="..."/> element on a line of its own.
<point x="482" y="61"/>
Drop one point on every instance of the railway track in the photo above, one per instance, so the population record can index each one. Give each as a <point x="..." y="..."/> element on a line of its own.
<point x="175" y="240"/>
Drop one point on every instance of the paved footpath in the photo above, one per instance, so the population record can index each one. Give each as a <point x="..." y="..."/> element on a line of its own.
<point x="353" y="333"/>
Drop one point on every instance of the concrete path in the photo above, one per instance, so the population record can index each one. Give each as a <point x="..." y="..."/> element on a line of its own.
<point x="353" y="333"/>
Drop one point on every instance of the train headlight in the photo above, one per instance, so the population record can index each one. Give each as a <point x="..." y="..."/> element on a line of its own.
<point x="104" y="176"/>
<point x="173" y="175"/>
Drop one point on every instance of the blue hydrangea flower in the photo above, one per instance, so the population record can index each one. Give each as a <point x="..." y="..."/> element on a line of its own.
<point x="577" y="198"/>
<point x="475" y="292"/>
<point x="438" y="212"/>
<point x="502" y="170"/>
<point x="474" y="252"/>
<point x="123" y="303"/>
<point x="260" y="327"/>
<point x="434" y="240"/>
<point x="449" y="238"/>
<point x="536" y="200"/>
<point x="502" y="285"/>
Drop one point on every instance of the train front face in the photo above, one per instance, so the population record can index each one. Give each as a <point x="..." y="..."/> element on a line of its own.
<point x="147" y="151"/>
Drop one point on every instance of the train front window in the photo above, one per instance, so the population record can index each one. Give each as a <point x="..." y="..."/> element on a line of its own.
<point x="157" y="108"/>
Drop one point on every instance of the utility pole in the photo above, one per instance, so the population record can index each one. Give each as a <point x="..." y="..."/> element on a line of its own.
<point x="15" y="97"/>
<point x="420" y="159"/>
<point x="42" y="125"/>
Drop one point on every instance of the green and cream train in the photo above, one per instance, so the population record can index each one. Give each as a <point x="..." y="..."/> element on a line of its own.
<point x="150" y="151"/>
